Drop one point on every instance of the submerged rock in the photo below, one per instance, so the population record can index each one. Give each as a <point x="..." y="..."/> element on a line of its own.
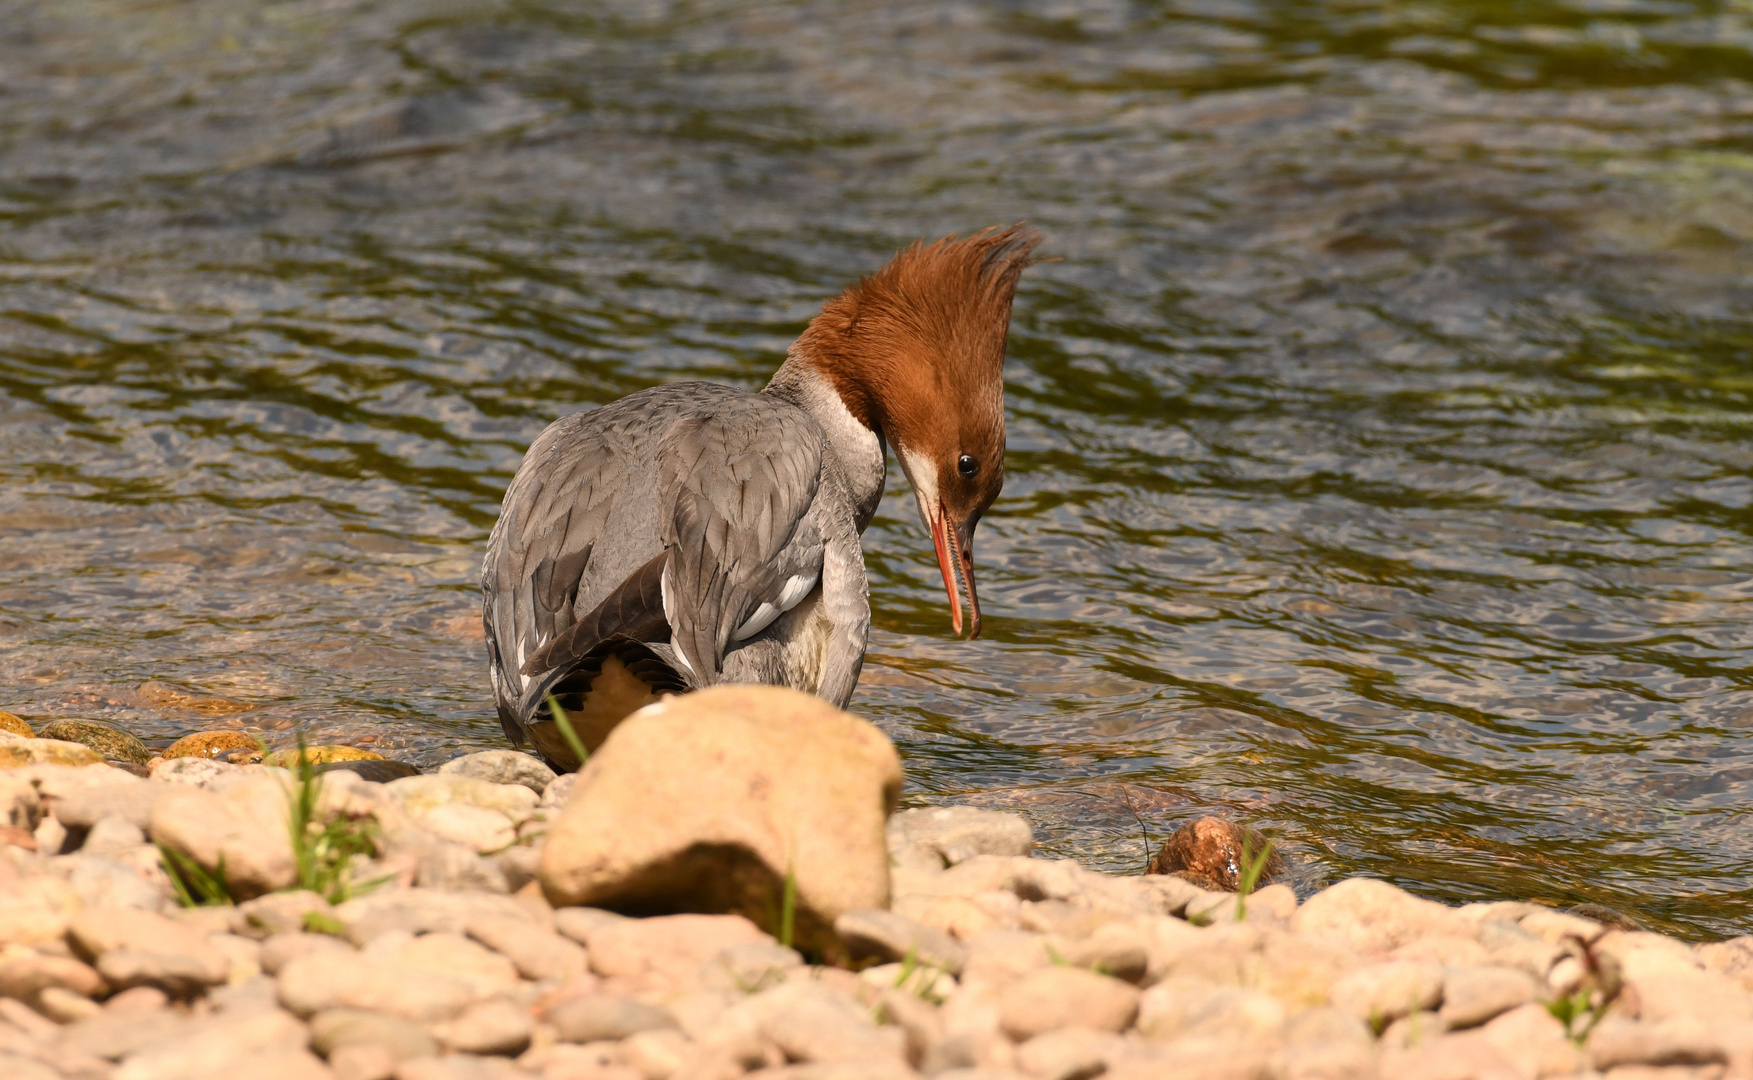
<point x="378" y="771"/>
<point x="109" y="740"/>
<point x="12" y="725"/>
<point x="707" y="803"/>
<point x="1211" y="852"/>
<point x="212" y="744"/>
<point x="318" y="755"/>
<point x="22" y="752"/>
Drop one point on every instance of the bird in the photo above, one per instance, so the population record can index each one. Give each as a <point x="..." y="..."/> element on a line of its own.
<point x="692" y="534"/>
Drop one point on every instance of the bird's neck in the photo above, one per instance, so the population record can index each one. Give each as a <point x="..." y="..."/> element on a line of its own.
<point x="851" y="437"/>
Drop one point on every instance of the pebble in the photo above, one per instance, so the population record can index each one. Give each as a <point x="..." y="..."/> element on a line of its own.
<point x="1180" y="1007"/>
<point x="112" y="835"/>
<point x="13" y="725"/>
<point x="281" y="949"/>
<point x="1474" y="995"/>
<point x="607" y="1018"/>
<point x="668" y="950"/>
<point x="1383" y="992"/>
<point x="873" y="933"/>
<point x="812" y="1023"/>
<point x="109" y="883"/>
<point x="488" y="1027"/>
<point x="400" y="1039"/>
<point x="321" y="981"/>
<point x="1374" y="916"/>
<point x="112" y="742"/>
<point x="196" y="772"/>
<point x="452" y="956"/>
<point x="502" y="767"/>
<point x="24" y="976"/>
<point x="277" y="913"/>
<point x="475" y="827"/>
<point x="1057" y="997"/>
<point x="142" y="948"/>
<point x="419" y="794"/>
<point x="539" y="954"/>
<point x="558" y="793"/>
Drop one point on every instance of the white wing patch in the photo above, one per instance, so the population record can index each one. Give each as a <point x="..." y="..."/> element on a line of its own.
<point x="796" y="588"/>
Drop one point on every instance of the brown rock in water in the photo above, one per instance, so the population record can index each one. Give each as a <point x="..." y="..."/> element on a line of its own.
<point x="12" y="725"/>
<point x="705" y="803"/>
<point x="212" y="744"/>
<point x="1208" y="852"/>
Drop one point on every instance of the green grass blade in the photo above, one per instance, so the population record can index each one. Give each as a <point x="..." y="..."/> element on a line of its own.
<point x="788" y="906"/>
<point x="564" y="723"/>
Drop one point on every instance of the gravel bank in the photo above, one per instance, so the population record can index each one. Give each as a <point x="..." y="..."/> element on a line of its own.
<point x="436" y="951"/>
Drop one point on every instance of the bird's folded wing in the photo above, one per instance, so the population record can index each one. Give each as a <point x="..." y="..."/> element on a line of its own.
<point x="541" y="547"/>
<point x="743" y="540"/>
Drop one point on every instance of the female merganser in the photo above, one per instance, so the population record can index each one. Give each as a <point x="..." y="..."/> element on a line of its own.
<point x="693" y="534"/>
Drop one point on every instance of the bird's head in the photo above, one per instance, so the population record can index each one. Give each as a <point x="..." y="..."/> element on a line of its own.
<point x="916" y="352"/>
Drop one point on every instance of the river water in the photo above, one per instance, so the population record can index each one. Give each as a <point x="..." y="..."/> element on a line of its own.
<point x="1379" y="442"/>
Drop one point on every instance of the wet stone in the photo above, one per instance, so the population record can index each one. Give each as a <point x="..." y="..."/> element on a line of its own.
<point x="13" y="725"/>
<point x="1211" y="852"/>
<point x="114" y="743"/>
<point x="212" y="744"/>
<point x="318" y="755"/>
<point x="376" y="771"/>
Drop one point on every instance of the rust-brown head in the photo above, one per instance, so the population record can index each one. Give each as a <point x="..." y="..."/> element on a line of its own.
<point x="916" y="352"/>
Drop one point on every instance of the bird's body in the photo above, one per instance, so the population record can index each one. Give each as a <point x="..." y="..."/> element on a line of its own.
<point x="694" y="533"/>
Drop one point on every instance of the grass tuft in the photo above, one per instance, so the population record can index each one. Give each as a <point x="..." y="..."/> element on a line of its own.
<point x="1602" y="982"/>
<point x="323" y="851"/>
<point x="1249" y="876"/>
<point x="194" y="886"/>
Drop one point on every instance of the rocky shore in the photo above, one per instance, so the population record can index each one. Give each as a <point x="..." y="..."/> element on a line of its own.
<point x="255" y="921"/>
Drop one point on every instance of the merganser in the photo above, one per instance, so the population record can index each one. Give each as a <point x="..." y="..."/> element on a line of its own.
<point x="693" y="533"/>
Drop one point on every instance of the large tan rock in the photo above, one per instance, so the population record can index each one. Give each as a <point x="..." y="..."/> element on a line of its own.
<point x="246" y="825"/>
<point x="703" y="803"/>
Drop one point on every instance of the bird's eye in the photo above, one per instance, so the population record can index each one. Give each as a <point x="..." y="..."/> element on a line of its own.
<point x="967" y="466"/>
